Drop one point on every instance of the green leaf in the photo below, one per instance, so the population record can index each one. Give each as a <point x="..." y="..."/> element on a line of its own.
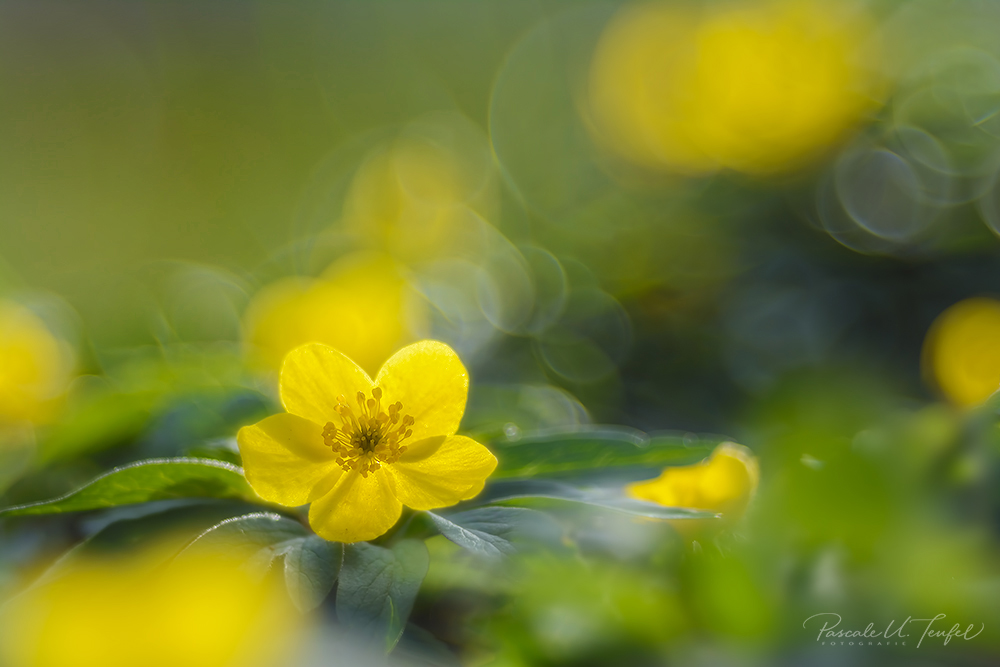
<point x="597" y="449"/>
<point x="378" y="587"/>
<point x="489" y="531"/>
<point x="146" y="481"/>
<point x="311" y="564"/>
<point x="541" y="494"/>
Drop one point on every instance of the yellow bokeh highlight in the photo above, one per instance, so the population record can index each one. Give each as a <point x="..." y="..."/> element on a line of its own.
<point x="723" y="483"/>
<point x="35" y="366"/>
<point x="361" y="305"/>
<point x="420" y="200"/>
<point x="962" y="351"/>
<point x="757" y="87"/>
<point x="125" y="612"/>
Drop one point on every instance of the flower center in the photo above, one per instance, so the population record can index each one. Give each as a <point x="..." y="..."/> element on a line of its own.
<point x="369" y="436"/>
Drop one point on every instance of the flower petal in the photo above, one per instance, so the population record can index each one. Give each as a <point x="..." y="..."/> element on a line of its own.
<point x="286" y="461"/>
<point x="441" y="471"/>
<point x="313" y="376"/>
<point x="358" y="509"/>
<point x="723" y="483"/>
<point x="432" y="384"/>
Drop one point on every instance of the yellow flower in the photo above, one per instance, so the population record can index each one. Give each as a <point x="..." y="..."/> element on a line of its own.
<point x="962" y="351"/>
<point x="359" y="449"/>
<point x="126" y="612"/>
<point x="34" y="366"/>
<point x="724" y="483"/>
<point x="361" y="305"/>
<point x="755" y="86"/>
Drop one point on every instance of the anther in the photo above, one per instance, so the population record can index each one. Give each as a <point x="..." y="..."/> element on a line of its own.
<point x="366" y="441"/>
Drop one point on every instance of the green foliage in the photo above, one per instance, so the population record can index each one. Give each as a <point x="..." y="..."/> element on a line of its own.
<point x="378" y="587"/>
<point x="596" y="449"/>
<point x="538" y="493"/>
<point x="147" y="481"/>
<point x="490" y="531"/>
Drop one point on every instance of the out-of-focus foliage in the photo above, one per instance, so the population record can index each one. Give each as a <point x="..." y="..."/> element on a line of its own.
<point x="645" y="229"/>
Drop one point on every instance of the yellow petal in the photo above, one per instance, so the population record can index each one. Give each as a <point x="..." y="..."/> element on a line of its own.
<point x="358" y="509"/>
<point x="676" y="487"/>
<point x="432" y="384"/>
<point x="313" y="376"/>
<point x="724" y="483"/>
<point x="286" y="461"/>
<point x="441" y="471"/>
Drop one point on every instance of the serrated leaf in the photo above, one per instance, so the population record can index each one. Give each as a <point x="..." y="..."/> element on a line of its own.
<point x="378" y="587"/>
<point x="258" y="540"/>
<point x="596" y="449"/>
<point x="146" y="481"/>
<point x="488" y="531"/>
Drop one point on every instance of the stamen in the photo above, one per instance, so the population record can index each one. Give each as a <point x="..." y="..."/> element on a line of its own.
<point x="369" y="439"/>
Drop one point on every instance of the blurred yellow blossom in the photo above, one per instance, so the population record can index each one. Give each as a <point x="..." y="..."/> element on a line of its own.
<point x="420" y="198"/>
<point x="35" y="366"/>
<point x="126" y="612"/>
<point x="723" y="483"/>
<point x="754" y="86"/>
<point x="962" y="351"/>
<point x="361" y="305"/>
<point x="359" y="449"/>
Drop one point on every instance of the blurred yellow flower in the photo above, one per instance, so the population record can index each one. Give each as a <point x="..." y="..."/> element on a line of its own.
<point x="127" y="612"/>
<point x="724" y="483"/>
<point x="361" y="305"/>
<point x="35" y="366"/>
<point x="962" y="351"/>
<point x="419" y="199"/>
<point x="754" y="86"/>
<point x="359" y="449"/>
